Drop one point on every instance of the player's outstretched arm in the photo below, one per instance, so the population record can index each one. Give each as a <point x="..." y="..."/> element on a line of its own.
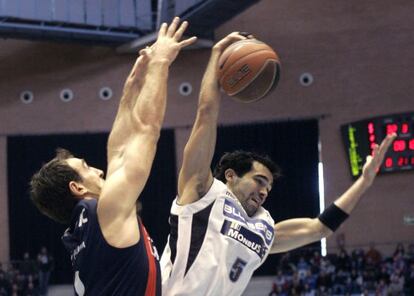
<point x="116" y="206"/>
<point x="195" y="175"/>
<point x="294" y="233"/>
<point x="122" y="126"/>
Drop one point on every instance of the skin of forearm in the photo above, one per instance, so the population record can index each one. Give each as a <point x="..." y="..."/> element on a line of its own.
<point x="348" y="200"/>
<point x="121" y="128"/>
<point x="150" y="107"/>
<point x="209" y="99"/>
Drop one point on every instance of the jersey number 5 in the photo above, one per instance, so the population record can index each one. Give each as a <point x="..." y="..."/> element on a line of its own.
<point x="237" y="269"/>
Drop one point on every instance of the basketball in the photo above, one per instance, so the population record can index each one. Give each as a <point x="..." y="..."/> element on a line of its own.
<point x="249" y="70"/>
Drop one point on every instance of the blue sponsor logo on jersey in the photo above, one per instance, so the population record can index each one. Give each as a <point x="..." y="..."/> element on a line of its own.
<point x="245" y="236"/>
<point x="232" y="211"/>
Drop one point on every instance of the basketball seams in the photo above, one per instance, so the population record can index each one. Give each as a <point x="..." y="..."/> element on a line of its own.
<point x="248" y="70"/>
<point x="240" y="62"/>
<point x="233" y="59"/>
<point x="271" y="85"/>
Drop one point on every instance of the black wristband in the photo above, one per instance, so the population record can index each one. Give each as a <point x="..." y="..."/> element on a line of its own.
<point x="332" y="217"/>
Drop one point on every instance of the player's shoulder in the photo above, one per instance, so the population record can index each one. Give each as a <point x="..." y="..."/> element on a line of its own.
<point x="89" y="203"/>
<point x="85" y="210"/>
<point x="217" y="187"/>
<point x="79" y="230"/>
<point x="262" y="212"/>
<point x="84" y="205"/>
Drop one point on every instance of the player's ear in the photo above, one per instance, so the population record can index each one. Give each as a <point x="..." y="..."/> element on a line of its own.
<point x="77" y="189"/>
<point x="230" y="174"/>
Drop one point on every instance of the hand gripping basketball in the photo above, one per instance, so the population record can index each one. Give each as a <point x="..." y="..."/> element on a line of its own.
<point x="249" y="69"/>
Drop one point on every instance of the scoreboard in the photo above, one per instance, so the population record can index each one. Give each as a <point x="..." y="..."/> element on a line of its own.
<point x="361" y="136"/>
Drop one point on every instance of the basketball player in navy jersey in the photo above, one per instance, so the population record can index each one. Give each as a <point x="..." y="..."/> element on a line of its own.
<point x="220" y="233"/>
<point x="109" y="247"/>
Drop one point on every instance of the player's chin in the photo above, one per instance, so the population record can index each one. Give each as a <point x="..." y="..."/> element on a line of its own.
<point x="252" y="209"/>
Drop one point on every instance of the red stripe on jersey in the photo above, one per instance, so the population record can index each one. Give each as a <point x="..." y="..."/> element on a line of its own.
<point x="152" y="270"/>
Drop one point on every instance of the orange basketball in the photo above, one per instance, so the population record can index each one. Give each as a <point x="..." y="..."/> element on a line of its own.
<point x="249" y="70"/>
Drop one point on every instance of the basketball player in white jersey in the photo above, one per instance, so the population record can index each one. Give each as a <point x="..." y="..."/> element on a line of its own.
<point x="220" y="233"/>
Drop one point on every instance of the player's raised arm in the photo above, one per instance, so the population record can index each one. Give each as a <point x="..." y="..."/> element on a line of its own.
<point x="294" y="233"/>
<point x="195" y="174"/>
<point x="116" y="207"/>
<point x="122" y="126"/>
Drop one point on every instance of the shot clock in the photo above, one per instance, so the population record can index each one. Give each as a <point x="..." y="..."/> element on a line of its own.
<point x="361" y="136"/>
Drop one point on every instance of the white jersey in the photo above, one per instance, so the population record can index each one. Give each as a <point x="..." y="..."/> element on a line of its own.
<point x="214" y="246"/>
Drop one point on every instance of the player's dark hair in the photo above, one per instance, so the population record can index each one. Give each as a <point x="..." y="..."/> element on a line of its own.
<point x="242" y="162"/>
<point x="49" y="188"/>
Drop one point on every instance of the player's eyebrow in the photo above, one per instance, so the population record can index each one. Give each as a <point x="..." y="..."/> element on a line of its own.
<point x="265" y="179"/>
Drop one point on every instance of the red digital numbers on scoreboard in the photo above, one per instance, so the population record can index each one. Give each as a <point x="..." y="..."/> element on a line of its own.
<point x="388" y="162"/>
<point x="362" y="137"/>
<point x="399" y="145"/>
<point x="402" y="161"/>
<point x="371" y="129"/>
<point x="391" y="128"/>
<point x="371" y="132"/>
<point x="404" y="128"/>
<point x="400" y="154"/>
<point x="411" y="144"/>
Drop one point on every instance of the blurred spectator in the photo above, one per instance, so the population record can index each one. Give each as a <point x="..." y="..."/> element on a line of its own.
<point x="399" y="250"/>
<point x="410" y="252"/>
<point x="308" y="291"/>
<point x="302" y="268"/>
<point x="5" y="286"/>
<point x="31" y="290"/>
<point x="343" y="261"/>
<point x="409" y="279"/>
<point x="398" y="262"/>
<point x="295" y="284"/>
<point x="358" y="259"/>
<point x="280" y="280"/>
<point x="373" y="256"/>
<point x="381" y="289"/>
<point x="28" y="266"/>
<point x="396" y="284"/>
<point x="323" y="283"/>
<point x="46" y="265"/>
<point x="306" y="273"/>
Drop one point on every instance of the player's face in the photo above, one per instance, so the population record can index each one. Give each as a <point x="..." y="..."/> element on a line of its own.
<point x="92" y="178"/>
<point x="252" y="188"/>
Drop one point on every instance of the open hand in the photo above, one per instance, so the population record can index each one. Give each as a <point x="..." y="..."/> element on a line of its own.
<point x="168" y="43"/>
<point x="373" y="163"/>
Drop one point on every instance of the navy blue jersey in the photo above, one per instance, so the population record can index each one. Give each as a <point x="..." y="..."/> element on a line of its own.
<point x="101" y="269"/>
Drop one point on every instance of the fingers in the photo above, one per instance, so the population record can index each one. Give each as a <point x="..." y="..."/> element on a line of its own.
<point x="187" y="42"/>
<point x="386" y="143"/>
<point x="180" y="31"/>
<point x="172" y="31"/>
<point x="163" y="30"/>
<point x="173" y="27"/>
<point x="379" y="151"/>
<point x="228" y="40"/>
